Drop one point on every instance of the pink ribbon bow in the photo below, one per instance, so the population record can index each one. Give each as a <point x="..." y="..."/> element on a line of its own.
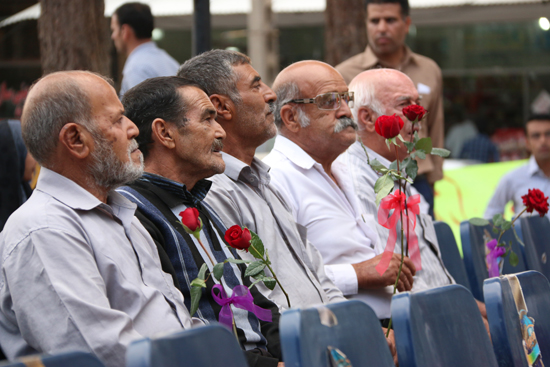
<point x="495" y="252"/>
<point x="397" y="202"/>
<point x="242" y="299"/>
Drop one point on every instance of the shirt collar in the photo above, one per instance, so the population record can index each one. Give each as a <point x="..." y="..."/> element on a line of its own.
<point x="533" y="168"/>
<point x="237" y="170"/>
<point x="370" y="60"/>
<point x="76" y="197"/>
<point x="179" y="190"/>
<point x="293" y="152"/>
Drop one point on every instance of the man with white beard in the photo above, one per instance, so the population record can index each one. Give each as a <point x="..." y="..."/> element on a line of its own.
<point x="78" y="270"/>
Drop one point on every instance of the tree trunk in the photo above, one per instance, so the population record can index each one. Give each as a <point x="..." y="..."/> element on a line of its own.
<point x="345" y="30"/>
<point x="74" y="35"/>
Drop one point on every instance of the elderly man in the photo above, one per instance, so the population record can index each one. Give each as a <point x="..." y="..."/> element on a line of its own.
<point x="181" y="143"/>
<point x="315" y="127"/>
<point x="386" y="92"/>
<point x="79" y="272"/>
<point x="243" y="195"/>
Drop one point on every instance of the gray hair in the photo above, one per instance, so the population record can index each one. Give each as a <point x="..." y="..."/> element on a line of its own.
<point x="365" y="96"/>
<point x="285" y="93"/>
<point x="213" y="72"/>
<point x="45" y="114"/>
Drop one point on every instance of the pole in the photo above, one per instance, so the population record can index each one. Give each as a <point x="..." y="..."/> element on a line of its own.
<point x="201" y="26"/>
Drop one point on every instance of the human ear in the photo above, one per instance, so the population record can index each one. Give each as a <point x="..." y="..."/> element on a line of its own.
<point x="76" y="140"/>
<point x="367" y="118"/>
<point x="163" y="133"/>
<point x="290" y="119"/>
<point x="224" y="106"/>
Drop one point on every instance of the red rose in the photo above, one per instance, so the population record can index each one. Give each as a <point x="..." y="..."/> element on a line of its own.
<point x="190" y="219"/>
<point x="535" y="200"/>
<point x="388" y="126"/>
<point x="414" y="112"/>
<point x="238" y="238"/>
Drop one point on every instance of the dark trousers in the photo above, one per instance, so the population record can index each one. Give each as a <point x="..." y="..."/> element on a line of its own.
<point x="425" y="189"/>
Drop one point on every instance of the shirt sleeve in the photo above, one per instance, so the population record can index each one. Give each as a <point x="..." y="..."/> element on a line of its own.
<point x="56" y="312"/>
<point x="436" y="126"/>
<point x="344" y="277"/>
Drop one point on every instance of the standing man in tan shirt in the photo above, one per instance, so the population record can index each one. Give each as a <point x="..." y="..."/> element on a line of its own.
<point x="388" y="23"/>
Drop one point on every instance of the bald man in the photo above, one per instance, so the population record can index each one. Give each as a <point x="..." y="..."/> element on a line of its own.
<point x="78" y="270"/>
<point x="315" y="126"/>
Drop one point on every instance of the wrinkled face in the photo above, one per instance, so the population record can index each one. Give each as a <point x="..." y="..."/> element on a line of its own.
<point x="199" y="141"/>
<point x="386" y="28"/>
<point x="331" y="129"/>
<point x="116" y="34"/>
<point x="116" y="158"/>
<point x="255" y="112"/>
<point x="538" y="139"/>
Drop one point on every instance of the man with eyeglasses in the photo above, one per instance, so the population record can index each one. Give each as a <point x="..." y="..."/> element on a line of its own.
<point x="243" y="194"/>
<point x="316" y="126"/>
<point x="534" y="174"/>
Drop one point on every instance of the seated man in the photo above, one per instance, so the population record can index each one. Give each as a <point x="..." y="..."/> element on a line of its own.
<point x="315" y="127"/>
<point x="535" y="174"/>
<point x="79" y="272"/>
<point x="243" y="195"/>
<point x="181" y="143"/>
<point x="386" y="92"/>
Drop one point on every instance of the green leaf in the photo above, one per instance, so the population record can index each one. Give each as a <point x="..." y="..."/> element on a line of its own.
<point x="218" y="270"/>
<point x="410" y="146"/>
<point x="393" y="165"/>
<point x="420" y="154"/>
<point x="412" y="169"/>
<point x="401" y="138"/>
<point x="201" y="283"/>
<point x="478" y="221"/>
<point x="496" y="217"/>
<point x="196" y="293"/>
<point x="513" y="258"/>
<point x="495" y="230"/>
<point x="403" y="165"/>
<point x="256" y="246"/>
<point x="270" y="282"/>
<point x="498" y="223"/>
<point x="440" y="152"/>
<point x="416" y="138"/>
<point x="202" y="272"/>
<point x="382" y="182"/>
<point x="384" y="188"/>
<point x="254" y="283"/>
<point x="376" y="165"/>
<point x="506" y="225"/>
<point x="236" y="261"/>
<point x="517" y="237"/>
<point x="424" y="144"/>
<point x="255" y="268"/>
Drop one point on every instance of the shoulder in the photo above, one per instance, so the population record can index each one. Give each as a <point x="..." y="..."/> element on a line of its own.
<point x="351" y="67"/>
<point x="425" y="62"/>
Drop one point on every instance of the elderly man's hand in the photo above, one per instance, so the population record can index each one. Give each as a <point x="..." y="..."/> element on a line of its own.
<point x="391" y="343"/>
<point x="368" y="277"/>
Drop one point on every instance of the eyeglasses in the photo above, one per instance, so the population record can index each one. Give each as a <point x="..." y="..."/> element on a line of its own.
<point x="328" y="101"/>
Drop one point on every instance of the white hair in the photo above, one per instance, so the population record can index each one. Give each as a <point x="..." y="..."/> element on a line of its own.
<point x="364" y="95"/>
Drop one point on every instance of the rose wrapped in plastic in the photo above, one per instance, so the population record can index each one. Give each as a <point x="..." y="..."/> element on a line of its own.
<point x="535" y="200"/>
<point x="388" y="126"/>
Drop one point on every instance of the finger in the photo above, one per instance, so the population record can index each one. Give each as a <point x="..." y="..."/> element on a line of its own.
<point x="401" y="286"/>
<point x="406" y="274"/>
<point x="408" y="262"/>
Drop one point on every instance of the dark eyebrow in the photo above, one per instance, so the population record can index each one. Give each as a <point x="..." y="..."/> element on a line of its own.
<point x="208" y="112"/>
<point x="256" y="79"/>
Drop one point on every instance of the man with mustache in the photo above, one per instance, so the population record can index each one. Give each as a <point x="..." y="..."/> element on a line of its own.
<point x="243" y="195"/>
<point x="315" y="127"/>
<point x="182" y="142"/>
<point x="78" y="270"/>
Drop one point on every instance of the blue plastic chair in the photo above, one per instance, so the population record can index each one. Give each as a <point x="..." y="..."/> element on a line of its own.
<point x="450" y="255"/>
<point x="503" y="318"/>
<point x="536" y="236"/>
<point x="70" y="359"/>
<point x="350" y="326"/>
<point x="440" y="327"/>
<point x="473" y="249"/>
<point x="205" y="346"/>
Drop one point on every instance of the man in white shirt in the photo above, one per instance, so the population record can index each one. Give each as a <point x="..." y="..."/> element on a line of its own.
<point x="78" y="270"/>
<point x="315" y="127"/>
<point x="534" y="174"/>
<point x="132" y="28"/>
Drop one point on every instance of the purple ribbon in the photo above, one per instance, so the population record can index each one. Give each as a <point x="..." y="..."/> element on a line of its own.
<point x="242" y="299"/>
<point x="495" y="252"/>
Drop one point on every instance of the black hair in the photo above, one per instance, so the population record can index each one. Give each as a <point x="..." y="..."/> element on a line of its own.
<point x="138" y="16"/>
<point x="405" y="8"/>
<point x="156" y="98"/>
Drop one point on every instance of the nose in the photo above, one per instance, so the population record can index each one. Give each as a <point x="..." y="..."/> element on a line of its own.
<point x="343" y="110"/>
<point x="220" y="132"/>
<point x="269" y="95"/>
<point x="133" y="130"/>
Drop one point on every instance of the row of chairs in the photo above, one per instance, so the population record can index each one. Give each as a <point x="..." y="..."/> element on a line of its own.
<point x="438" y="327"/>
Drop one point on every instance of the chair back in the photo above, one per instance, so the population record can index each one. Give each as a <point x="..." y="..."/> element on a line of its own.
<point x="440" y="327"/>
<point x="350" y="326"/>
<point x="504" y="323"/>
<point x="450" y="255"/>
<point x="473" y="249"/>
<point x="536" y="236"/>
<point x="70" y="359"/>
<point x="205" y="346"/>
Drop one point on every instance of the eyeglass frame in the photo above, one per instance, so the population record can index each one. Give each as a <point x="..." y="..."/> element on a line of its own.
<point x="312" y="100"/>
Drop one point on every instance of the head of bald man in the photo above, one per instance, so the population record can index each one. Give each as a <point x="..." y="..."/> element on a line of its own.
<point x="380" y="92"/>
<point x="74" y="124"/>
<point x="319" y="127"/>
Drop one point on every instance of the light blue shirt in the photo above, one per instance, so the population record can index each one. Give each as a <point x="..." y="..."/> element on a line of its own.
<point x="146" y="61"/>
<point x="79" y="274"/>
<point x="514" y="185"/>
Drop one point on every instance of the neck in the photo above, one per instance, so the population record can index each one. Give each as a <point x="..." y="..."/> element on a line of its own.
<point x="78" y="175"/>
<point x="544" y="166"/>
<point x="171" y="170"/>
<point x="133" y="44"/>
<point x="242" y="149"/>
<point x="325" y="157"/>
<point x="393" y="60"/>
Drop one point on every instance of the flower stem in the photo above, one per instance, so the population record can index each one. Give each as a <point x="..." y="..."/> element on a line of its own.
<point x="280" y="285"/>
<point x="234" y="326"/>
<point x="512" y="225"/>
<point x="204" y="248"/>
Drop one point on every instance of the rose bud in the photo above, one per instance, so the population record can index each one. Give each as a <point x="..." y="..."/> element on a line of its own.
<point x="238" y="238"/>
<point x="414" y="112"/>
<point x="535" y="200"/>
<point x="191" y="221"/>
<point x="388" y="126"/>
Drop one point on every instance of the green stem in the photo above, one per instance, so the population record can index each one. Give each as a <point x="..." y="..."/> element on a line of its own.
<point x="234" y="326"/>
<point x="280" y="285"/>
<point x="512" y="225"/>
<point x="207" y="254"/>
